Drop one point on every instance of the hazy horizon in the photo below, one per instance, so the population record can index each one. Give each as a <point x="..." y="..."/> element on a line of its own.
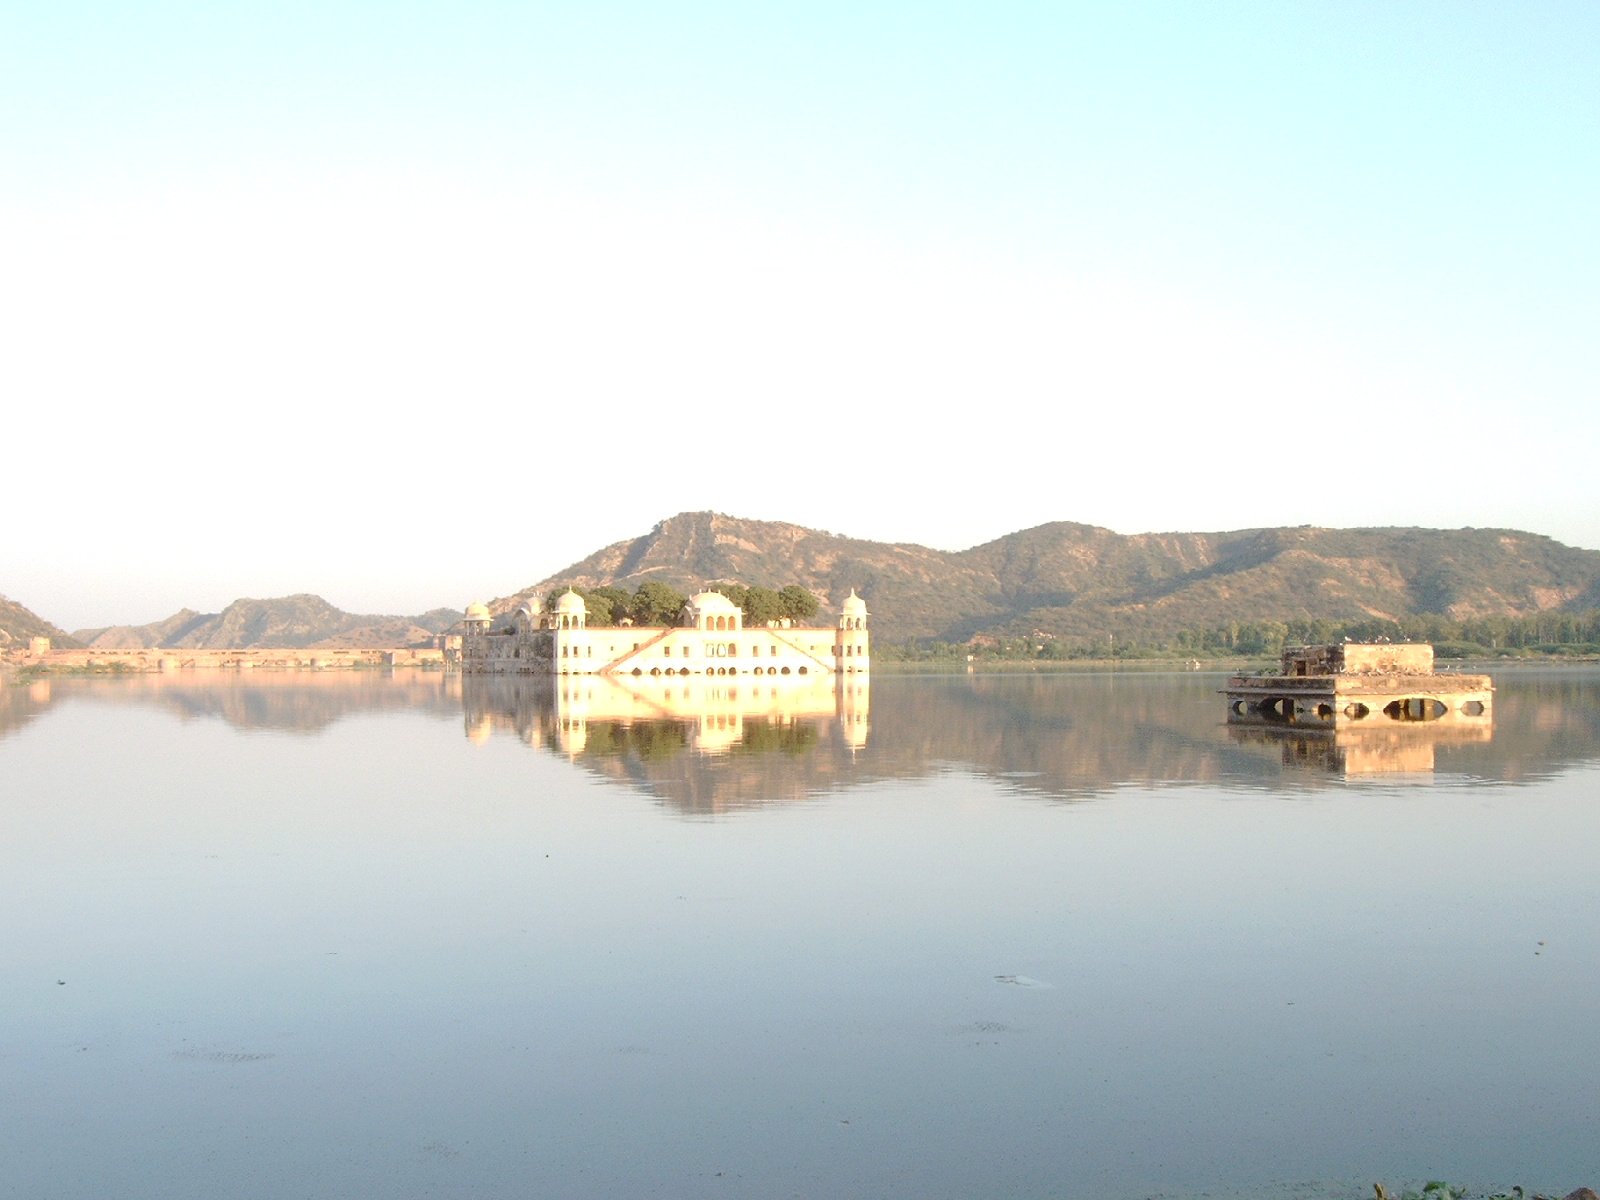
<point x="291" y="589"/>
<point x="404" y="306"/>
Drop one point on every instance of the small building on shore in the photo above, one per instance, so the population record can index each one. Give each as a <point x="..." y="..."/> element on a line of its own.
<point x="1350" y="683"/>
<point x="710" y="638"/>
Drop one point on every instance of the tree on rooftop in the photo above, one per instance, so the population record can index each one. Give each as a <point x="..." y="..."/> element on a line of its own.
<point x="598" y="608"/>
<point x="797" y="603"/>
<point x="657" y="604"/>
<point x="616" y="602"/>
<point x="761" y="605"/>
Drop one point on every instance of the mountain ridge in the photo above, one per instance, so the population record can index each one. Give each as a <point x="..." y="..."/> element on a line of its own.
<point x="1062" y="579"/>
<point x="301" y="621"/>
<point x="1071" y="580"/>
<point x="19" y="624"/>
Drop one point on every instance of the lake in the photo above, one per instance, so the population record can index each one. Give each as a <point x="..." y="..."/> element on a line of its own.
<point x="349" y="935"/>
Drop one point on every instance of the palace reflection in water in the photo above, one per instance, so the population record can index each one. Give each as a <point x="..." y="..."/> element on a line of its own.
<point x="712" y="715"/>
<point x="704" y="744"/>
<point x="1023" y="935"/>
<point x="1066" y="736"/>
<point x="694" y="741"/>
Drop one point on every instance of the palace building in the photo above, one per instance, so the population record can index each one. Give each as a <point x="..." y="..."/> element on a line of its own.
<point x="710" y="639"/>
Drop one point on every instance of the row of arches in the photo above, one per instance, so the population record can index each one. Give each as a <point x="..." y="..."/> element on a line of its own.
<point x="1285" y="710"/>
<point x="719" y="671"/>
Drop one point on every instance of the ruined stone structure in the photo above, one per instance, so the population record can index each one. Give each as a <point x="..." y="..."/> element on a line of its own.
<point x="1356" y="682"/>
<point x="710" y="639"/>
<point x="1359" y="658"/>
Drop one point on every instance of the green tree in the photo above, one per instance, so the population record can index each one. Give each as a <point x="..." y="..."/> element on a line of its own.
<point x="657" y="604"/>
<point x="761" y="605"/>
<point x="616" y="602"/>
<point x="598" y="606"/>
<point x="798" y="604"/>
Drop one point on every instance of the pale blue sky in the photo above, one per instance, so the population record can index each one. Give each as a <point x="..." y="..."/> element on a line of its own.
<point x="409" y="304"/>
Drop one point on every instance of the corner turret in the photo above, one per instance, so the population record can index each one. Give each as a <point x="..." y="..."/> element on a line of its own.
<point x="852" y="649"/>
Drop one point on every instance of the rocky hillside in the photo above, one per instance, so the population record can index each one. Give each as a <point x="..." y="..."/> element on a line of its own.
<point x="286" y="622"/>
<point x="1080" y="581"/>
<point x="18" y="624"/>
<point x="1074" y="582"/>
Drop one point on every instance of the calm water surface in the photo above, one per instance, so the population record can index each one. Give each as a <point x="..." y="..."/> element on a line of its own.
<point x="319" y="936"/>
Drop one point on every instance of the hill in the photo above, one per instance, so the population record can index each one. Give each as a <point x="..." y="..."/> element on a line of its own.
<point x="1069" y="584"/>
<point x="289" y="622"/>
<point x="18" y="624"/>
<point x="1084" y="583"/>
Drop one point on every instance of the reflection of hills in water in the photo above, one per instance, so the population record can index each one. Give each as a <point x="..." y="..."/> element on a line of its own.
<point x="1081" y="734"/>
<point x="285" y="702"/>
<point x="1056" y="736"/>
<point x="1067" y="735"/>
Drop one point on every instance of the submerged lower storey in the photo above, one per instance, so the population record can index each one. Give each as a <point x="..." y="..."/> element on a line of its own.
<point x="1329" y="701"/>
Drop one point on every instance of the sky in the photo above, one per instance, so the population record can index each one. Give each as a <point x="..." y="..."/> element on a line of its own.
<point x="412" y="304"/>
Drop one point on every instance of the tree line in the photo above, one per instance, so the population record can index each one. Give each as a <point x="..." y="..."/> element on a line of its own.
<point x="1551" y="633"/>
<point x="656" y="603"/>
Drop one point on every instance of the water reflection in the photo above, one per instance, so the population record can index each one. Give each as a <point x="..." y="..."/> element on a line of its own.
<point x="701" y="743"/>
<point x="579" y="714"/>
<point x="298" y="928"/>
<point x="1362" y="750"/>
<point x="304" y="702"/>
<point x="1055" y="736"/>
<point x="703" y="746"/>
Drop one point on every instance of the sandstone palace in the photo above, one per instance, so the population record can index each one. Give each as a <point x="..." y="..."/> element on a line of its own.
<point x="711" y="638"/>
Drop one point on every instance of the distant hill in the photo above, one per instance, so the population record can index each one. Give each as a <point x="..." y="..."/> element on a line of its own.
<point x="1082" y="582"/>
<point x="18" y="624"/>
<point x="1078" y="583"/>
<point x="288" y="622"/>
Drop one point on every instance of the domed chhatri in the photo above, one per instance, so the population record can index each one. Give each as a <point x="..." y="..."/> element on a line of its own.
<point x="713" y="612"/>
<point x="853" y="612"/>
<point x="571" y="612"/>
<point x="710" y="638"/>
